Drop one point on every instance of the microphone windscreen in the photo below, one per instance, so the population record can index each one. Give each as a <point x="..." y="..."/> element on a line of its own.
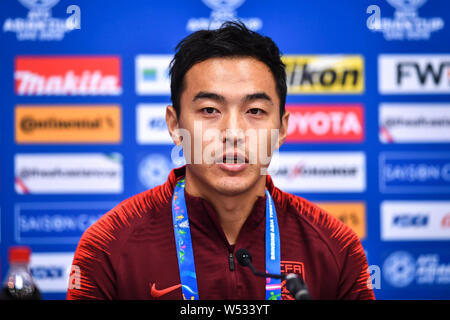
<point x="243" y="257"/>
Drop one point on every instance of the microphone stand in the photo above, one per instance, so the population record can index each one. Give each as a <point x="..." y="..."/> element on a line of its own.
<point x="295" y="285"/>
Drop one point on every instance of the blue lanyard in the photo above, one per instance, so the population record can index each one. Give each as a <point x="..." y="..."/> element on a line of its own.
<point x="185" y="252"/>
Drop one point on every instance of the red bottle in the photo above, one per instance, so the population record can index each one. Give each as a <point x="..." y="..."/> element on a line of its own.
<point x="19" y="284"/>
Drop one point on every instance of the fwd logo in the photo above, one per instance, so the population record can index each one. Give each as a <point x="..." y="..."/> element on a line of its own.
<point x="414" y="74"/>
<point x="424" y="73"/>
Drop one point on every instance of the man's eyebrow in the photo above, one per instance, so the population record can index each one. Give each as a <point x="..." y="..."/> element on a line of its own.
<point x="257" y="96"/>
<point x="209" y="95"/>
<point x="219" y="98"/>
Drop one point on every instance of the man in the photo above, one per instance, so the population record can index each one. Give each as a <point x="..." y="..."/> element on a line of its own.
<point x="179" y="240"/>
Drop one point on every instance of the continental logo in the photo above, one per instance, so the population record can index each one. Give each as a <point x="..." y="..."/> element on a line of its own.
<point x="352" y="214"/>
<point x="322" y="74"/>
<point x="68" y="124"/>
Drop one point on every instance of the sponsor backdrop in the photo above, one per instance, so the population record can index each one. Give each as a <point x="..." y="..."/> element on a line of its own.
<point x="84" y="86"/>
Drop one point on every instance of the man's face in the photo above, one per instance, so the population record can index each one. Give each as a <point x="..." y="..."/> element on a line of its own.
<point x="230" y="108"/>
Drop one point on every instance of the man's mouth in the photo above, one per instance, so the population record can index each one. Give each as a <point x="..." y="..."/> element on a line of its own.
<point x="233" y="162"/>
<point x="234" y="158"/>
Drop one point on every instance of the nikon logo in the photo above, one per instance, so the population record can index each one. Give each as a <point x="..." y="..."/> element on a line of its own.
<point x="322" y="74"/>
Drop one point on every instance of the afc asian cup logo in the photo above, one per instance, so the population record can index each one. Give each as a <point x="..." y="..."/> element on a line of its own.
<point x="219" y="5"/>
<point x="407" y="4"/>
<point x="39" y="10"/>
<point x="40" y="25"/>
<point x="223" y="9"/>
<point x="153" y="170"/>
<point x="39" y="4"/>
<point x="406" y="7"/>
<point x="399" y="269"/>
<point x="406" y="23"/>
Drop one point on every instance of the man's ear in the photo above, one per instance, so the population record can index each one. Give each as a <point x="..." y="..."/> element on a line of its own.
<point x="173" y="124"/>
<point x="283" y="129"/>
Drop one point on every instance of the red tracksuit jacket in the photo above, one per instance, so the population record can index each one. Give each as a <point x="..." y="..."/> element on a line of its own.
<point x="130" y="253"/>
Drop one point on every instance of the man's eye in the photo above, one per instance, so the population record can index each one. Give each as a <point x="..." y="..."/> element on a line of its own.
<point x="256" y="111"/>
<point x="209" y="110"/>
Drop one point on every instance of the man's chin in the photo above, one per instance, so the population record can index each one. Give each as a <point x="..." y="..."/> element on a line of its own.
<point x="236" y="180"/>
<point x="231" y="187"/>
<point x="226" y="181"/>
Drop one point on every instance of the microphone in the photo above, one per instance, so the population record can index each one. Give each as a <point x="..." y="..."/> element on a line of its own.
<point x="245" y="259"/>
<point x="295" y="285"/>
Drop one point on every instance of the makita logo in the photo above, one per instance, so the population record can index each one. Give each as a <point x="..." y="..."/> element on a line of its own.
<point x="333" y="123"/>
<point x="63" y="76"/>
<point x="88" y="83"/>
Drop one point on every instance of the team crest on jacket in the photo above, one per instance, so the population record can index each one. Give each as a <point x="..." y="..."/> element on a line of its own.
<point x="296" y="267"/>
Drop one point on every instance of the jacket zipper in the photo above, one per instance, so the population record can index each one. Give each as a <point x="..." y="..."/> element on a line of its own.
<point x="232" y="293"/>
<point x="231" y="261"/>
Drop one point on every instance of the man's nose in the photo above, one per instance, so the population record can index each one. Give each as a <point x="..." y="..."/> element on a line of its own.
<point x="233" y="129"/>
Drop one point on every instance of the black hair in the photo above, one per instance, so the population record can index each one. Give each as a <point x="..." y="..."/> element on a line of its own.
<point x="232" y="39"/>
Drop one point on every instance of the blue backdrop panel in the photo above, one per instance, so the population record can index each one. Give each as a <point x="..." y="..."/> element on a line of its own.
<point x="405" y="52"/>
